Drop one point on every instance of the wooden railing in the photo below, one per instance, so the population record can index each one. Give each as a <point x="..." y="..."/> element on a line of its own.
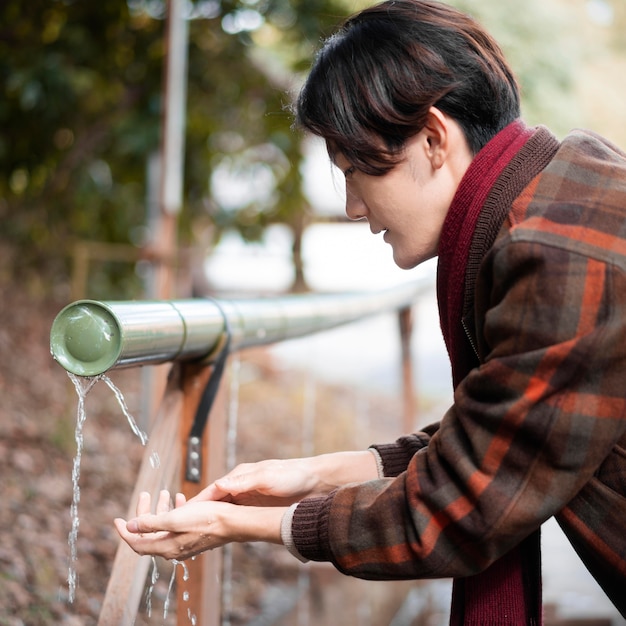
<point x="189" y="337"/>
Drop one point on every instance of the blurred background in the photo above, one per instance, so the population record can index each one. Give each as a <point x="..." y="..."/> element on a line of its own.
<point x="260" y="212"/>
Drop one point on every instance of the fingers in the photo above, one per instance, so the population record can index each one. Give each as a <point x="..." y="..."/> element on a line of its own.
<point x="212" y="492"/>
<point x="143" y="503"/>
<point x="156" y="544"/>
<point x="164" y="502"/>
<point x="143" y="511"/>
<point x="151" y="523"/>
<point x="241" y="480"/>
<point x="171" y="532"/>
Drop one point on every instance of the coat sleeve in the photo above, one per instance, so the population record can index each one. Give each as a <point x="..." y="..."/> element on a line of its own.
<point x="527" y="430"/>
<point x="395" y="457"/>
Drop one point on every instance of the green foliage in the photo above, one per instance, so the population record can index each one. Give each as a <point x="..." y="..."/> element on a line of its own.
<point x="81" y="105"/>
<point x="542" y="43"/>
<point x="79" y="111"/>
<point x="81" y="98"/>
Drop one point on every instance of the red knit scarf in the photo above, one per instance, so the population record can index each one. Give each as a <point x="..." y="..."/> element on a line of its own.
<point x="508" y="593"/>
<point x="458" y="230"/>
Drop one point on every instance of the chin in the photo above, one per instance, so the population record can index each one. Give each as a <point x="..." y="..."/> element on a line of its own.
<point x="405" y="264"/>
<point x="410" y="263"/>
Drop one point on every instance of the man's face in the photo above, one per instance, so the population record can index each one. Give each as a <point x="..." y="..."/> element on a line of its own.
<point x="409" y="203"/>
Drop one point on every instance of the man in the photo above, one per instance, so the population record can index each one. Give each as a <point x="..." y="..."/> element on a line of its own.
<point x="421" y="113"/>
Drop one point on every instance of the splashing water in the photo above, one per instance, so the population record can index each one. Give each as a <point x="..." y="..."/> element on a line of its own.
<point x="193" y="620"/>
<point x="154" y="577"/>
<point x="185" y="569"/>
<point x="153" y="580"/>
<point x="166" y="606"/>
<point x="83" y="385"/>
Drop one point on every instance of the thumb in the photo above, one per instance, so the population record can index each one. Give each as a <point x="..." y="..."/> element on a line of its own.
<point x="243" y="482"/>
<point x="146" y="524"/>
<point x="132" y="526"/>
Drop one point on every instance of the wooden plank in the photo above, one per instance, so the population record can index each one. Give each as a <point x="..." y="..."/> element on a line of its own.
<point x="215" y="447"/>
<point x="128" y="575"/>
<point x="200" y="594"/>
<point x="405" y="322"/>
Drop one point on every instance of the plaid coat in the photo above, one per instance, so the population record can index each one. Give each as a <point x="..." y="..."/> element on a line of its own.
<point x="538" y="427"/>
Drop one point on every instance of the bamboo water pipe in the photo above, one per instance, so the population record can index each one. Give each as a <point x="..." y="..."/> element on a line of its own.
<point x="90" y="337"/>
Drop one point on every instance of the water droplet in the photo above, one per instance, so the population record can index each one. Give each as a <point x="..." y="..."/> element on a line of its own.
<point x="155" y="460"/>
<point x="186" y="596"/>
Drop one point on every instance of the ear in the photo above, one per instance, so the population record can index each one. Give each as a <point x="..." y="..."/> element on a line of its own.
<point x="438" y="134"/>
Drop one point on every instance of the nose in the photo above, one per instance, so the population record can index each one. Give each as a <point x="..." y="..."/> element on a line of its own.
<point x="355" y="207"/>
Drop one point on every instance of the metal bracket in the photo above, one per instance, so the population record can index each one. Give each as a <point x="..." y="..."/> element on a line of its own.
<point x="194" y="460"/>
<point x="194" y="448"/>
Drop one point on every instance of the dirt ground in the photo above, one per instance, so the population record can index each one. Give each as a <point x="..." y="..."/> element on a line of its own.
<point x="37" y="419"/>
<point x="37" y="448"/>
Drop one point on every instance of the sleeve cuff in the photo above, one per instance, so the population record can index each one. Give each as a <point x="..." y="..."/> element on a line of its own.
<point x="395" y="457"/>
<point x="380" y="468"/>
<point x="286" y="534"/>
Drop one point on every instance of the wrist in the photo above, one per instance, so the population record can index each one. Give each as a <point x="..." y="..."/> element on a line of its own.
<point x="342" y="468"/>
<point x="252" y="523"/>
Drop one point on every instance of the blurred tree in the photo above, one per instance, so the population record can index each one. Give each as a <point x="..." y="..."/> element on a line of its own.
<point x="566" y="55"/>
<point x="80" y="116"/>
<point x="600" y="88"/>
<point x="79" y="109"/>
<point x="81" y="102"/>
<point x="541" y="42"/>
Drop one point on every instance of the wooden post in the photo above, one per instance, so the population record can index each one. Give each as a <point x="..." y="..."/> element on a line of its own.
<point x="163" y="248"/>
<point x="128" y="576"/>
<point x="405" y="319"/>
<point x="200" y="595"/>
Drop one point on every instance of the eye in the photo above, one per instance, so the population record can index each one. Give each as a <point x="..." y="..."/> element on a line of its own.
<point x="348" y="172"/>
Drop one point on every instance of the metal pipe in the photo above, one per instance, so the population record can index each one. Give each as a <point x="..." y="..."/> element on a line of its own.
<point x="90" y="337"/>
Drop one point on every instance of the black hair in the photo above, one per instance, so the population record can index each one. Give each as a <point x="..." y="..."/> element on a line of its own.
<point x="373" y="82"/>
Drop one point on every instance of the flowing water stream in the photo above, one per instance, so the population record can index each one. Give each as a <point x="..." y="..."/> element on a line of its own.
<point x="83" y="385"/>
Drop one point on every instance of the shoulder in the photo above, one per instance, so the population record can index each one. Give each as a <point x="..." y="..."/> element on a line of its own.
<point x="578" y="201"/>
